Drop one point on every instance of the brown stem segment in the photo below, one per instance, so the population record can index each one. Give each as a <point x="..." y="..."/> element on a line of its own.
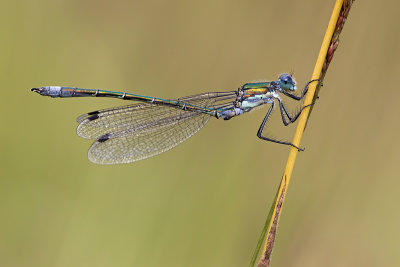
<point x="266" y="257"/>
<point x="344" y="12"/>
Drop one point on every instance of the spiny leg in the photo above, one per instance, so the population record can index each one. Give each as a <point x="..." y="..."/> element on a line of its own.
<point x="284" y="111"/>
<point x="260" y="130"/>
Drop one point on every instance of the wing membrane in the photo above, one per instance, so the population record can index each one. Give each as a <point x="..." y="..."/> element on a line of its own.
<point x="134" y="132"/>
<point x="148" y="139"/>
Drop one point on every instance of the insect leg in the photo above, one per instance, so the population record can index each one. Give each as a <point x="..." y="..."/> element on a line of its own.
<point x="284" y="110"/>
<point x="260" y="130"/>
<point x="302" y="93"/>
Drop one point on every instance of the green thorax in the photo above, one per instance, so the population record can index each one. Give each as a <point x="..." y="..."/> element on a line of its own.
<point x="251" y="89"/>
<point x="258" y="85"/>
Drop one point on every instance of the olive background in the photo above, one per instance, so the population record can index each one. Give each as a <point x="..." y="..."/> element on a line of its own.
<point x="203" y="203"/>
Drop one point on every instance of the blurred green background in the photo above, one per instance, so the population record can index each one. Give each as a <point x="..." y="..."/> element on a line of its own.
<point x="203" y="203"/>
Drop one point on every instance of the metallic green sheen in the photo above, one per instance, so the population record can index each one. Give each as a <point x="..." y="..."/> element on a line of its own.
<point x="256" y="85"/>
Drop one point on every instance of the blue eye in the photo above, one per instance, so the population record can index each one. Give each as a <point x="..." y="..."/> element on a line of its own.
<point x="285" y="79"/>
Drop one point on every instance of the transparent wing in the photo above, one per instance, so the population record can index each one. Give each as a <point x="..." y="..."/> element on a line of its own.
<point x="147" y="139"/>
<point x="130" y="133"/>
<point x="97" y="123"/>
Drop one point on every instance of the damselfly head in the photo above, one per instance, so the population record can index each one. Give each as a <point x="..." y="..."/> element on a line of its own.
<point x="287" y="82"/>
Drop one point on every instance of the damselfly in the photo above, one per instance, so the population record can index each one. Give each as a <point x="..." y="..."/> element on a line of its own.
<point x="130" y="133"/>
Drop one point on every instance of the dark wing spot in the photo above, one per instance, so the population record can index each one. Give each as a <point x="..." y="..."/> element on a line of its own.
<point x="93" y="112"/>
<point x="103" y="138"/>
<point x="93" y="117"/>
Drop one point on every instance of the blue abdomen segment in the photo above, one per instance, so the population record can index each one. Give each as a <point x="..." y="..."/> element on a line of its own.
<point x="60" y="91"/>
<point x="227" y="114"/>
<point x="53" y="91"/>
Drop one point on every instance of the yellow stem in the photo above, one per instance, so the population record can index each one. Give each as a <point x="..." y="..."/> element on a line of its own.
<point x="302" y="122"/>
